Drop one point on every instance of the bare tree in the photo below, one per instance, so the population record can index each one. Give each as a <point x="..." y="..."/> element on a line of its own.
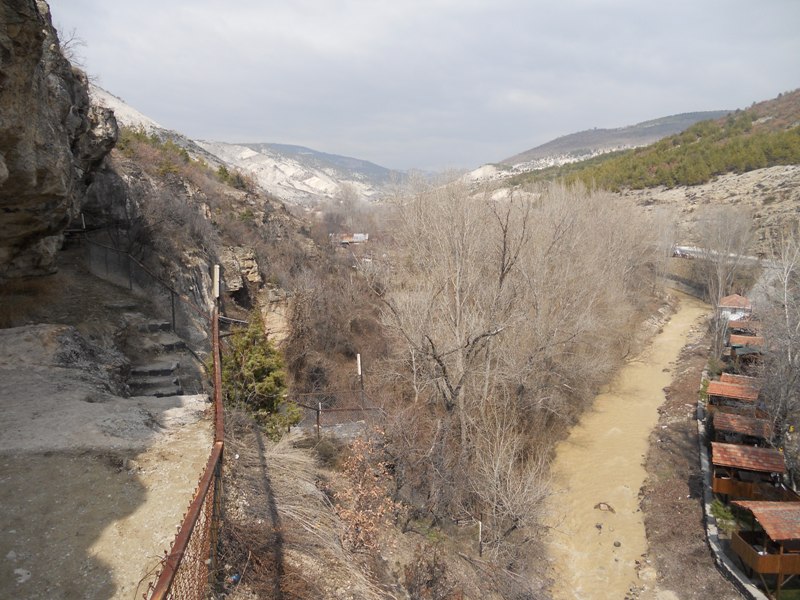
<point x="726" y="235"/>
<point x="781" y="318"/>
<point x="510" y="310"/>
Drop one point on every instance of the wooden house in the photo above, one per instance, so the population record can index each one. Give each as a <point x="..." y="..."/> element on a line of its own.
<point x="747" y="326"/>
<point x="770" y="548"/>
<point x="748" y="473"/>
<point x="743" y="350"/>
<point x="726" y="396"/>
<point x="753" y="382"/>
<point x="738" y="429"/>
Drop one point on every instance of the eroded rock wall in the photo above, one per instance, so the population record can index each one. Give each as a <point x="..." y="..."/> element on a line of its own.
<point x="51" y="139"/>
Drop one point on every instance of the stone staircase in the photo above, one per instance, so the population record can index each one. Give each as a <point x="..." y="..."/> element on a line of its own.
<point x="161" y="366"/>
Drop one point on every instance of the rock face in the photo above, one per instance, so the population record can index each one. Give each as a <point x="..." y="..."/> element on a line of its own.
<point x="239" y="269"/>
<point x="51" y="139"/>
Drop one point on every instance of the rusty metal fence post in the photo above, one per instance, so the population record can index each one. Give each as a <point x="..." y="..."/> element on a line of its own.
<point x="190" y="567"/>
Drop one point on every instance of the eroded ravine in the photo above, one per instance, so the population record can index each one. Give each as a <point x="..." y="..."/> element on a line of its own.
<point x="597" y="530"/>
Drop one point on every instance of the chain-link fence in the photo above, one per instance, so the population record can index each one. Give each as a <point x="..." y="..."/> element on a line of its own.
<point x="188" y="569"/>
<point x="121" y="268"/>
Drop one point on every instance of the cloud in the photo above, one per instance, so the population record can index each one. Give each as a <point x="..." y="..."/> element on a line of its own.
<point x="435" y="83"/>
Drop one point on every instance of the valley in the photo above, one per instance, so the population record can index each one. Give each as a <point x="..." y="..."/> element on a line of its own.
<point x="244" y="369"/>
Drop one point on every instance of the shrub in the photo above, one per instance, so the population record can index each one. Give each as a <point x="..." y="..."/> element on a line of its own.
<point x="724" y="516"/>
<point x="365" y="505"/>
<point x="253" y="376"/>
<point x="427" y="577"/>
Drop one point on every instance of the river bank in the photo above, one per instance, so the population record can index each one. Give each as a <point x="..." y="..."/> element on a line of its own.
<point x="597" y="540"/>
<point x="679" y="562"/>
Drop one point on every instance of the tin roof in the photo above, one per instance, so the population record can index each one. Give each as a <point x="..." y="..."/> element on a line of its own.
<point x="748" y="458"/>
<point x="745" y="340"/>
<point x="781" y="520"/>
<point x="735" y="301"/>
<point x="736" y="391"/>
<point x="740" y="424"/>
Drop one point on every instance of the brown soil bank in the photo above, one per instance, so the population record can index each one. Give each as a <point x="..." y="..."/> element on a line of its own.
<point x="598" y="537"/>
<point x="672" y="495"/>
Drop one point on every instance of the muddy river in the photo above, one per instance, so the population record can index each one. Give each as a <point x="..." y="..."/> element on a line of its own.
<point x="597" y="530"/>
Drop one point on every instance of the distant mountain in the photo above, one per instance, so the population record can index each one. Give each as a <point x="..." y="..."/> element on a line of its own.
<point x="301" y="175"/>
<point x="126" y="115"/>
<point x="354" y="167"/>
<point x="292" y="173"/>
<point x="585" y="144"/>
<point x="766" y="134"/>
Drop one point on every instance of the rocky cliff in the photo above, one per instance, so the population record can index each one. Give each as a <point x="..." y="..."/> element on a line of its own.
<point x="51" y="139"/>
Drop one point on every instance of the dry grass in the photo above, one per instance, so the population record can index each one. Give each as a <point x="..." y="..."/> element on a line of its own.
<point x="280" y="526"/>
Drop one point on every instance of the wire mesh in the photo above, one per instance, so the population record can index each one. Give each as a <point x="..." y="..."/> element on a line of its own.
<point x="191" y="578"/>
<point x="188" y="567"/>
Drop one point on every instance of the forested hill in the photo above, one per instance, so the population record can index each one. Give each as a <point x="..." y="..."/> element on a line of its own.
<point x="764" y="135"/>
<point x="593" y="140"/>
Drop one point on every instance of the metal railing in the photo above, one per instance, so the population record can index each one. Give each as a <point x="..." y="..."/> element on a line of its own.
<point x="125" y="270"/>
<point x="335" y="408"/>
<point x="188" y="569"/>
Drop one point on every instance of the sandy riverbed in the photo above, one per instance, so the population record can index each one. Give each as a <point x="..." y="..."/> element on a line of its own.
<point x="597" y="530"/>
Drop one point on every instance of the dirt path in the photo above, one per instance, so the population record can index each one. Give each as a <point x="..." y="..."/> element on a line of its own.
<point x="94" y="525"/>
<point x="598" y="532"/>
<point x="93" y="484"/>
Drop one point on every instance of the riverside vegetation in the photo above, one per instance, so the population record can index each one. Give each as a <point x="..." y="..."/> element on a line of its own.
<point x="765" y="135"/>
<point x="487" y="323"/>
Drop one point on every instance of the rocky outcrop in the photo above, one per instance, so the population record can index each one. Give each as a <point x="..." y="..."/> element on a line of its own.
<point x="51" y="139"/>
<point x="240" y="271"/>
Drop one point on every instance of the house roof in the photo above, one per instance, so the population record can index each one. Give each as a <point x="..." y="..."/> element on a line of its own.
<point x="736" y="391"/>
<point x="747" y="324"/>
<point x="780" y="520"/>
<point x="745" y="340"/>
<point x="740" y="424"/>
<point x="753" y="382"/>
<point x="745" y="351"/>
<point x="748" y="458"/>
<point x="735" y="301"/>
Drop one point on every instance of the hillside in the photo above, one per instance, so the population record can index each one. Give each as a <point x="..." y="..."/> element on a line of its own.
<point x="294" y="174"/>
<point x="301" y="175"/>
<point x="595" y="141"/>
<point x="766" y="134"/>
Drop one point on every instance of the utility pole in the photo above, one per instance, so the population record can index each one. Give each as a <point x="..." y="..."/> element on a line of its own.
<point x="216" y="284"/>
<point x="360" y="378"/>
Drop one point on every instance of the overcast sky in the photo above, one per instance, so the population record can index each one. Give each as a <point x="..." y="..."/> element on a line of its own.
<point x="430" y="83"/>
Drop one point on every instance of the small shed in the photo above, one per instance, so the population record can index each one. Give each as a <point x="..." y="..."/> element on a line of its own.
<point x="736" y="340"/>
<point x="732" y="397"/>
<point x="747" y="472"/>
<point x="745" y="326"/>
<point x="735" y="307"/>
<point x="738" y="429"/>
<point x="771" y="546"/>
<point x="753" y="382"/>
